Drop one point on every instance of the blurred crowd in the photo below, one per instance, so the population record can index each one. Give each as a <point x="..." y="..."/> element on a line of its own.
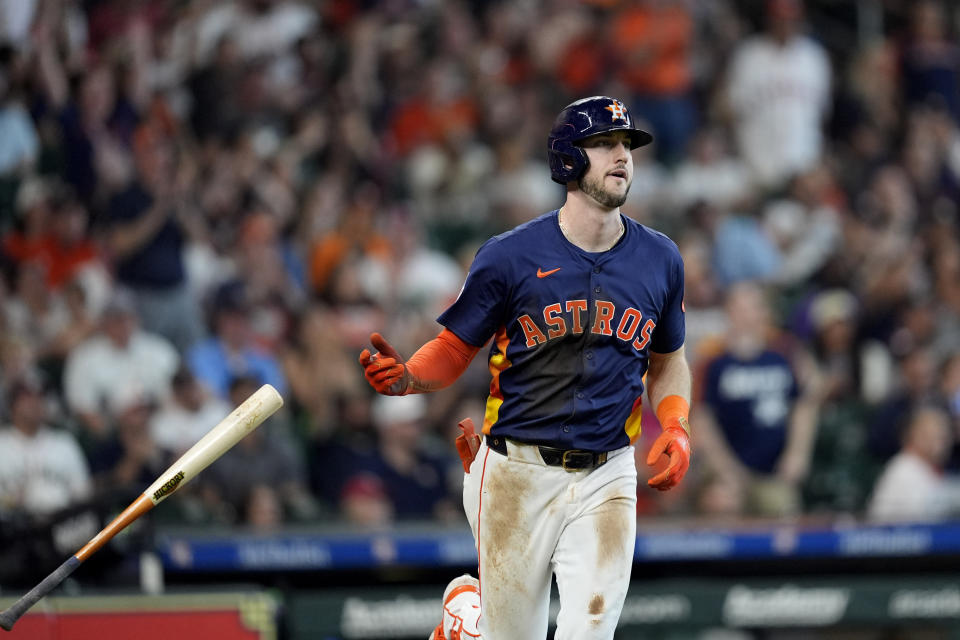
<point x="201" y="196"/>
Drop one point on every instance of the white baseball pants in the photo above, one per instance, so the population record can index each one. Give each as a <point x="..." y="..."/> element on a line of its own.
<point x="529" y="521"/>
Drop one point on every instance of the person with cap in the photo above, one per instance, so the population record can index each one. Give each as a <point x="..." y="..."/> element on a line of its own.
<point x="231" y="350"/>
<point x="119" y="360"/>
<point x="42" y="469"/>
<point x="187" y="415"/>
<point x="414" y="481"/>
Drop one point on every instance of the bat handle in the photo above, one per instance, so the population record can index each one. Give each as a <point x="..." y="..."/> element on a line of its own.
<point x="18" y="608"/>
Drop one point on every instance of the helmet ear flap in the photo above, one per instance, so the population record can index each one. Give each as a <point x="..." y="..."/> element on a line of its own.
<point x="568" y="162"/>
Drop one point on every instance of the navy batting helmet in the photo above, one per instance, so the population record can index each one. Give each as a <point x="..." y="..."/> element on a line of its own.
<point x="582" y="119"/>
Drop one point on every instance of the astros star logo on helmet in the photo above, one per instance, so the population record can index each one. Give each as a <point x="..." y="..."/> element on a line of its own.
<point x="617" y="109"/>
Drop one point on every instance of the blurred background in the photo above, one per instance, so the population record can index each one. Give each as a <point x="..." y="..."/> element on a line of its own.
<point x="199" y="196"/>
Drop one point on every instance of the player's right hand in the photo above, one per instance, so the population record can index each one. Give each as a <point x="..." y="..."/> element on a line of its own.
<point x="384" y="370"/>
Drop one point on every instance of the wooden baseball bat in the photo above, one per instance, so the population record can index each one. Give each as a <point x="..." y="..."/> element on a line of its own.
<point x="241" y="421"/>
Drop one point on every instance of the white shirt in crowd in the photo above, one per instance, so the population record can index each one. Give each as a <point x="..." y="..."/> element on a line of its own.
<point x="779" y="96"/>
<point x="43" y="473"/>
<point x="909" y="489"/>
<point x="176" y="429"/>
<point x="100" y="376"/>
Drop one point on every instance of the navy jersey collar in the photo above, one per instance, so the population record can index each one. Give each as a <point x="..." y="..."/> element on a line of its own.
<point x="590" y="255"/>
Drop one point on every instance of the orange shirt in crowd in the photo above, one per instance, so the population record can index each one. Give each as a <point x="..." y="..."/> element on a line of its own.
<point x="420" y="122"/>
<point x="331" y="250"/>
<point x="60" y="261"/>
<point x="651" y="48"/>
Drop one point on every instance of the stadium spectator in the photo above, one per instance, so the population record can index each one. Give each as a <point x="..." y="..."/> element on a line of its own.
<point x="364" y="502"/>
<point x="931" y="60"/>
<point x="263" y="511"/>
<point x="337" y="443"/>
<point x="709" y="173"/>
<point x="913" y="486"/>
<point x="147" y="227"/>
<point x="42" y="469"/>
<point x="215" y="89"/>
<point x="356" y="237"/>
<point x="517" y="192"/>
<point x="946" y="289"/>
<point x="266" y="460"/>
<point x="128" y="458"/>
<point x="755" y="420"/>
<point x="651" y="44"/>
<point x="81" y="324"/>
<point x="21" y="143"/>
<point x="272" y="277"/>
<point x="119" y="361"/>
<point x="854" y="374"/>
<point x="315" y="358"/>
<point x="34" y="313"/>
<point x="415" y="480"/>
<point x="84" y="117"/>
<point x="778" y="93"/>
<point x="743" y="249"/>
<point x="439" y="109"/>
<point x="52" y="231"/>
<point x="48" y="323"/>
<point x="950" y="391"/>
<point x="915" y="386"/>
<point x="805" y="226"/>
<point x="26" y="239"/>
<point x="231" y="351"/>
<point x="17" y="17"/>
<point x="866" y="113"/>
<point x="702" y="295"/>
<point x="187" y="414"/>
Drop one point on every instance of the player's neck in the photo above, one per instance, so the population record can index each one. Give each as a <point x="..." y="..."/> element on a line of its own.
<point x="591" y="228"/>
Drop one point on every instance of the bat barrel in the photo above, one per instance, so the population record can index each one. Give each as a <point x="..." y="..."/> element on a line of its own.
<point x="241" y="421"/>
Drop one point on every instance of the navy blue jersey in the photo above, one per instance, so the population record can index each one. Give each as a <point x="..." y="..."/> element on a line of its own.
<point x="751" y="401"/>
<point x="158" y="264"/>
<point x="571" y="330"/>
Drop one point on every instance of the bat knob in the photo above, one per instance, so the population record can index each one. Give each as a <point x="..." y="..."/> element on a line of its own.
<point x="6" y="621"/>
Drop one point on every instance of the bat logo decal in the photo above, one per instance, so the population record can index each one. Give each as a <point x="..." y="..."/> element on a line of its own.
<point x="169" y="486"/>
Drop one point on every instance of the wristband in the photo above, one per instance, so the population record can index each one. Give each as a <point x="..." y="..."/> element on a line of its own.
<point x="674" y="408"/>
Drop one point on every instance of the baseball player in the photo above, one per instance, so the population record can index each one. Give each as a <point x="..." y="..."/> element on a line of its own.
<point x="580" y="303"/>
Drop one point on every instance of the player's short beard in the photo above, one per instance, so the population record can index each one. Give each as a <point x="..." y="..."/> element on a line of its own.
<point x="594" y="188"/>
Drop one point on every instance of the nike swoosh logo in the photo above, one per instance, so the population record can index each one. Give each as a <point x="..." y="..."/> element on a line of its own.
<point x="544" y="274"/>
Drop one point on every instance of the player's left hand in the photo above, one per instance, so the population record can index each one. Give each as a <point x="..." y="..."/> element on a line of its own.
<point x="675" y="443"/>
<point x="384" y="370"/>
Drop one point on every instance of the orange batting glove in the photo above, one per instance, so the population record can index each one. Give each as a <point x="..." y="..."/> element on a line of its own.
<point x="674" y="442"/>
<point x="384" y="370"/>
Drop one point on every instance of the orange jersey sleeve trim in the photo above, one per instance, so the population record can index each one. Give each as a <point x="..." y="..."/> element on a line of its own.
<point x="438" y="363"/>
